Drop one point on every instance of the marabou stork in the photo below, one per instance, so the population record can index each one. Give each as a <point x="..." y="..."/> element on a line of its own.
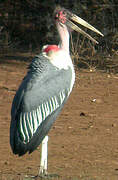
<point x="44" y="90"/>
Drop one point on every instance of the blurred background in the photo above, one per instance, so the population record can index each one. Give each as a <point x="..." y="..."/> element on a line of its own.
<point x="27" y="25"/>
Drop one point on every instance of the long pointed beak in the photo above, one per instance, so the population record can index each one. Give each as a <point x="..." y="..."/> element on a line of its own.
<point x="78" y="20"/>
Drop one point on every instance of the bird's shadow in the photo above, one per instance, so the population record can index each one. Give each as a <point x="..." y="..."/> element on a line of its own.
<point x="43" y="177"/>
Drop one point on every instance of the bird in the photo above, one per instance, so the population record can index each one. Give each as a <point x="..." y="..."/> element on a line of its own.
<point x="45" y="89"/>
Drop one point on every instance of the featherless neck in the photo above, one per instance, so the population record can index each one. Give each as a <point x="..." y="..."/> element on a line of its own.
<point x="64" y="36"/>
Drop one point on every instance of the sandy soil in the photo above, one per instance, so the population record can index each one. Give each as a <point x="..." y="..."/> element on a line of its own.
<point x="83" y="143"/>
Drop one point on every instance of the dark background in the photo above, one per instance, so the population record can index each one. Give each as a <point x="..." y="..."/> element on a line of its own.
<point x="27" y="25"/>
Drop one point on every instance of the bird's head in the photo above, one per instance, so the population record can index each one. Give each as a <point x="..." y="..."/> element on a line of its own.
<point x="65" y="17"/>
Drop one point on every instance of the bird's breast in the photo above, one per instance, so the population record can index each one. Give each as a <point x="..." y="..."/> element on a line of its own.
<point x="61" y="59"/>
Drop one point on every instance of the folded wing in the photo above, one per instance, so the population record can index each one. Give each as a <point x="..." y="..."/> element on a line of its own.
<point x="37" y="103"/>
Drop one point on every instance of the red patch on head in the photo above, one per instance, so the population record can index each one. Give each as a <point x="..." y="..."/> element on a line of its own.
<point x="61" y="16"/>
<point x="51" y="48"/>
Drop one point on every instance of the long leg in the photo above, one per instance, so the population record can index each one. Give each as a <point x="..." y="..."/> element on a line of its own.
<point x="44" y="157"/>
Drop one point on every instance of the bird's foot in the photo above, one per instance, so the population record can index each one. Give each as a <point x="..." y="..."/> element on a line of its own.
<point x="48" y="176"/>
<point x="45" y="175"/>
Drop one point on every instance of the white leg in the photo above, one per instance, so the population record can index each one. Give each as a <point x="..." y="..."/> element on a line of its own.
<point x="44" y="157"/>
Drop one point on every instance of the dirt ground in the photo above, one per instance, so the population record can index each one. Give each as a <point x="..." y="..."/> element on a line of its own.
<point x="83" y="142"/>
